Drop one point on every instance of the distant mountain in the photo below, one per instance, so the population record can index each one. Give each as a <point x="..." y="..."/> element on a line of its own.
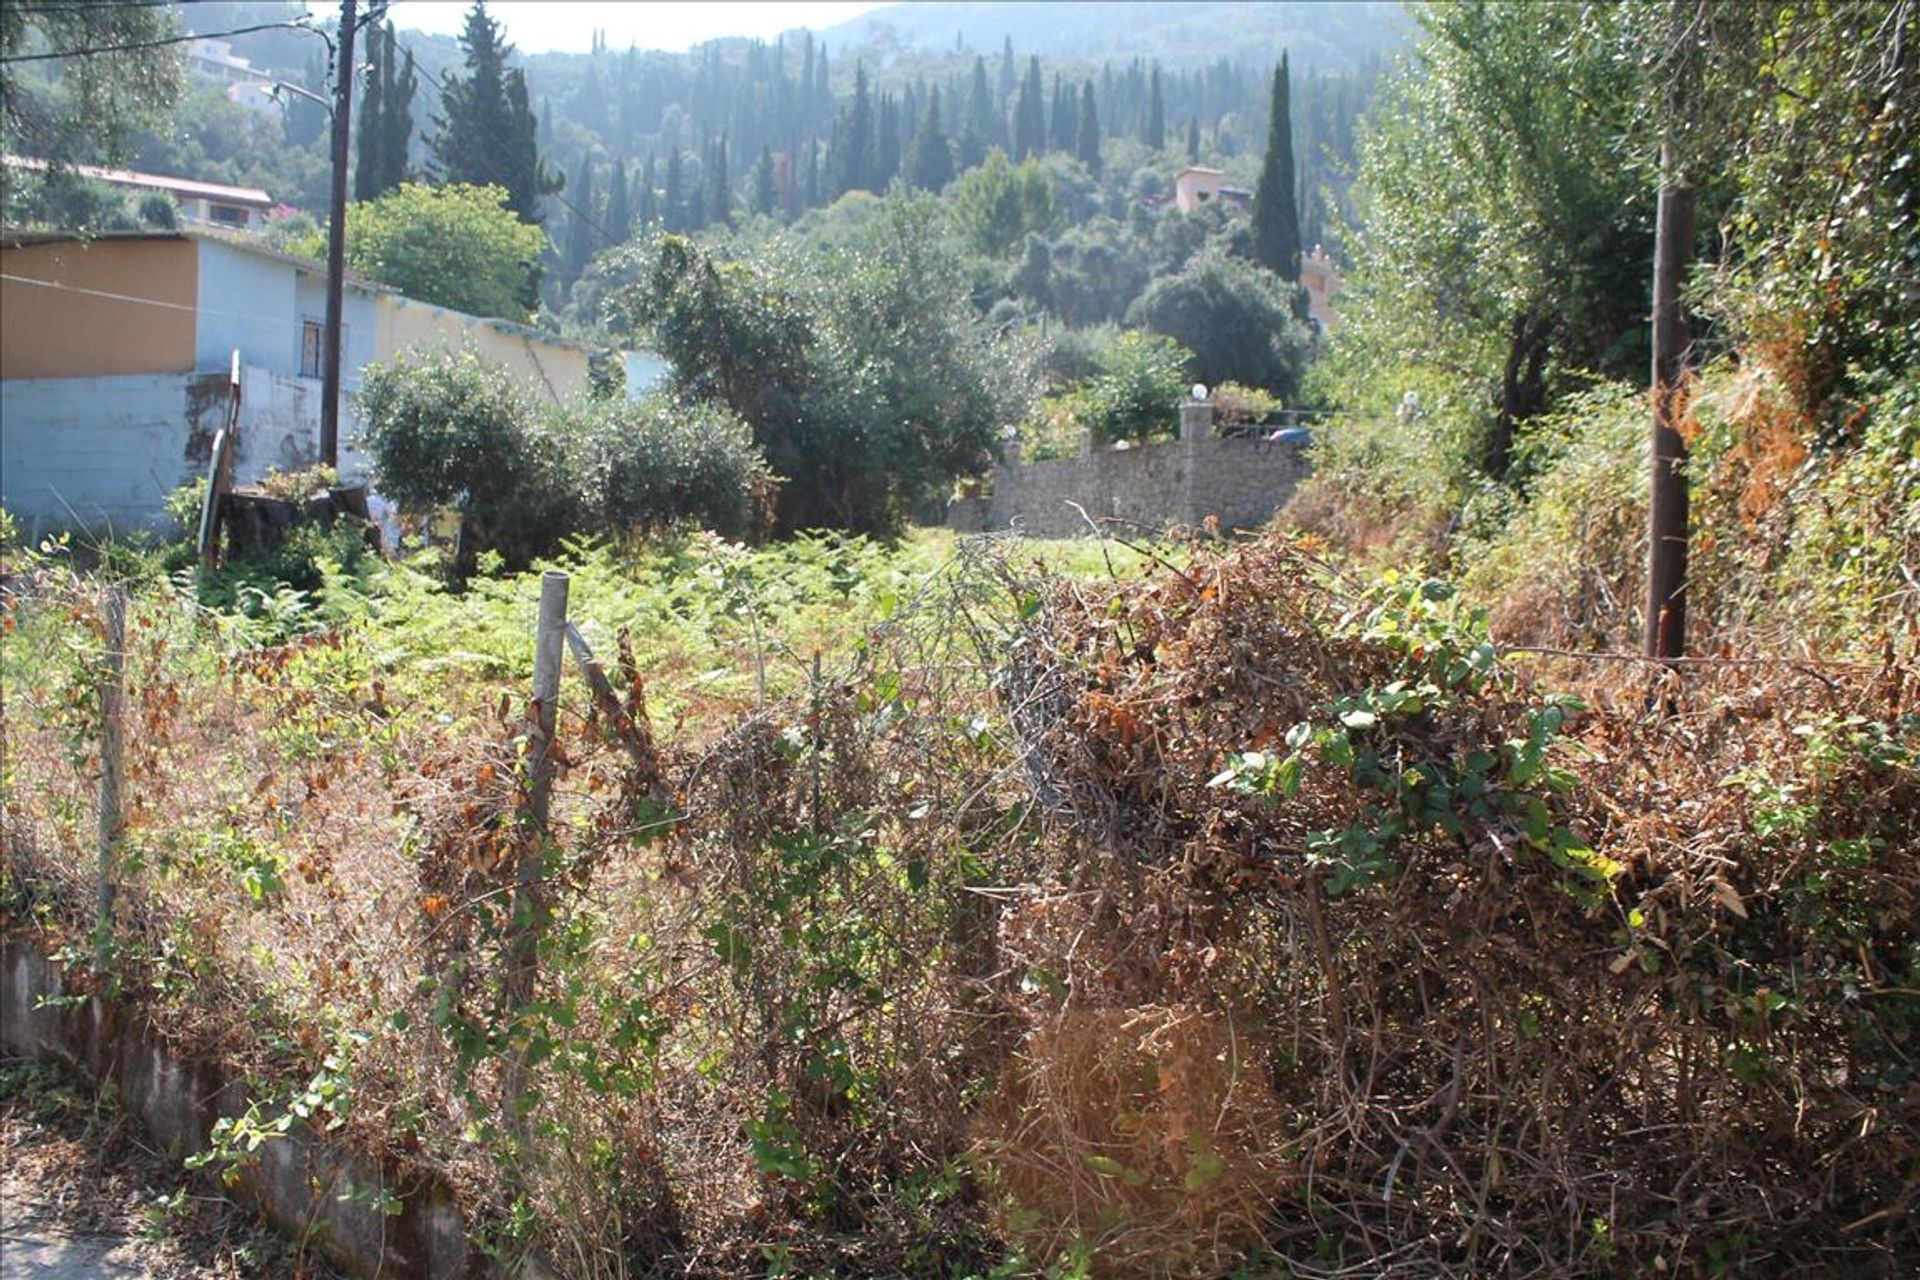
<point x="1330" y="35"/>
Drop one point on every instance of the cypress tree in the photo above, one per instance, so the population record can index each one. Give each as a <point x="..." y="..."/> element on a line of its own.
<point x="930" y="166"/>
<point x="1007" y="78"/>
<point x="475" y="104"/>
<point x="1087" y="148"/>
<point x="977" y="134"/>
<point x="649" y="211"/>
<point x="886" y="151"/>
<point x="853" y="169"/>
<point x="1155" y="135"/>
<point x="1276" y="212"/>
<point x="488" y="134"/>
<point x="1029" y="117"/>
<point x="619" y="206"/>
<point x="1066" y="118"/>
<point x="581" y="237"/>
<point x="790" y="178"/>
<point x="1193" y="139"/>
<point x="763" y="182"/>
<point x="397" y="104"/>
<point x="371" y="130"/>
<point x="673" y="200"/>
<point x="719" y="196"/>
<point x="527" y="177"/>
<point x="806" y="78"/>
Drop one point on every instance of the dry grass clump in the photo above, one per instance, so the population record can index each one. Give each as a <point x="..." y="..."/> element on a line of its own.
<point x="1143" y="1139"/>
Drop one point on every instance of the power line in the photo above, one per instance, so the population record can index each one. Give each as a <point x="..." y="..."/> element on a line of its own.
<point x="136" y="45"/>
<point x="256" y="316"/>
<point x="82" y="6"/>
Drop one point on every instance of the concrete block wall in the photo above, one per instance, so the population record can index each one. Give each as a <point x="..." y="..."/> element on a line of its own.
<point x="102" y="452"/>
<point x="105" y="452"/>
<point x="1243" y="482"/>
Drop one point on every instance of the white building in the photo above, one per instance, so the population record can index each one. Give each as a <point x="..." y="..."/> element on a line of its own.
<point x="216" y="60"/>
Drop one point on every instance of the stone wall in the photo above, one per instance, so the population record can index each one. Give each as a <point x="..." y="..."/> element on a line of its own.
<point x="1243" y="482"/>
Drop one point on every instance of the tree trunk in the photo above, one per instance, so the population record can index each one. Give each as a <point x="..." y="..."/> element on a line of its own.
<point x="1522" y="389"/>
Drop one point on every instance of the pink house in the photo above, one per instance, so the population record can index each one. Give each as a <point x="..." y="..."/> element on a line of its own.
<point x="1195" y="187"/>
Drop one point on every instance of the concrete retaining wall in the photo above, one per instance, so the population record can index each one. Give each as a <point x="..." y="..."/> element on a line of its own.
<point x="1242" y="482"/>
<point x="299" y="1179"/>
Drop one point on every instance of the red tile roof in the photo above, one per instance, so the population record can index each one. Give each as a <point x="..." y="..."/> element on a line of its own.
<point x="159" y="182"/>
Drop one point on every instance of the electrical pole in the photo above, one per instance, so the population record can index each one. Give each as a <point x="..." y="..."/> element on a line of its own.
<point x="337" y="241"/>
<point x="1666" y="635"/>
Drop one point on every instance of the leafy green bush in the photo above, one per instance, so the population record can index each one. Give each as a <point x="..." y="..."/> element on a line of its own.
<point x="1237" y="318"/>
<point x="456" y="246"/>
<point x="157" y="210"/>
<point x="660" y="461"/>
<point x="1076" y="354"/>
<point x="865" y="375"/>
<point x="1140" y="379"/>
<point x="451" y="428"/>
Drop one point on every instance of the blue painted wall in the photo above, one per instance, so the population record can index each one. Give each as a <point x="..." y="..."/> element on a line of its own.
<point x="100" y="452"/>
<point x="246" y="301"/>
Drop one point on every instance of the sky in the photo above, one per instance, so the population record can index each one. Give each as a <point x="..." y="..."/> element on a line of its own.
<point x="542" y="26"/>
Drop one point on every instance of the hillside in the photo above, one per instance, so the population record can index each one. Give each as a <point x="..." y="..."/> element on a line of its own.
<point x="1338" y="36"/>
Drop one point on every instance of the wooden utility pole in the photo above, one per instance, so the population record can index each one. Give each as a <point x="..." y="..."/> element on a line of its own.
<point x="337" y="240"/>
<point x="1667" y="511"/>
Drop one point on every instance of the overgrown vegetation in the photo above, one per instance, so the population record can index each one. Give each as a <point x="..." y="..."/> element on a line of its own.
<point x="863" y="373"/>
<point x="1337" y="902"/>
<point x="1130" y="925"/>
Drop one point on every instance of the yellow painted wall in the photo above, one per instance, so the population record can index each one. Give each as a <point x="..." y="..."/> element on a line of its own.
<point x="552" y="372"/>
<point x="68" y="328"/>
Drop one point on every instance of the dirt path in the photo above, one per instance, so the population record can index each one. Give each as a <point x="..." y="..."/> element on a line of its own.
<point x="82" y="1198"/>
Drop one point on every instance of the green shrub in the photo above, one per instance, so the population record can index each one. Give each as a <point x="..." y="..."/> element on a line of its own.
<point x="1237" y="319"/>
<point x="1077" y="354"/>
<point x="449" y="428"/>
<point x="157" y="210"/>
<point x="658" y="462"/>
<point x="1133" y="394"/>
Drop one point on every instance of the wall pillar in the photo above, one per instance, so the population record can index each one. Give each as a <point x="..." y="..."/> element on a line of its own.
<point x="1196" y="428"/>
<point x="1196" y="419"/>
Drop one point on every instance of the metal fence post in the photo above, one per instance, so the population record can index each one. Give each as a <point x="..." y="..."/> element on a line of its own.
<point x="529" y="898"/>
